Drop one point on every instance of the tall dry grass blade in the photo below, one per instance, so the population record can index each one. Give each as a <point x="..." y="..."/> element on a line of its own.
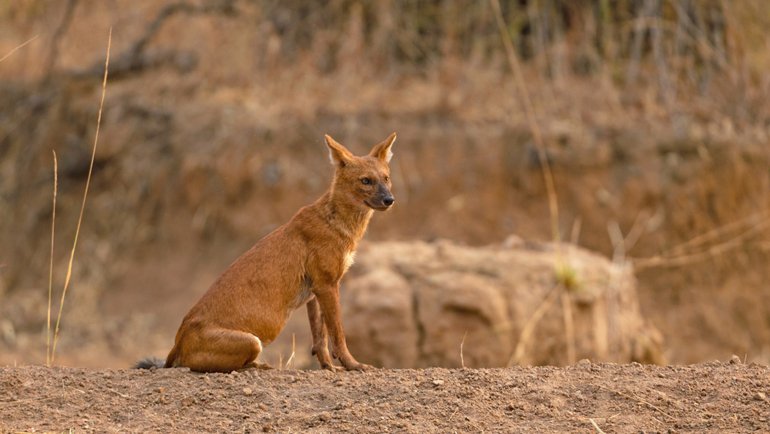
<point x="675" y="259"/>
<point x="529" y="327"/>
<point x="577" y="225"/>
<point x="85" y="196"/>
<point x="18" y="47"/>
<point x="462" y="344"/>
<point x="293" y="347"/>
<point x="550" y="187"/>
<point x="529" y="110"/>
<point x="716" y="233"/>
<point x="50" y="265"/>
<point x="569" y="326"/>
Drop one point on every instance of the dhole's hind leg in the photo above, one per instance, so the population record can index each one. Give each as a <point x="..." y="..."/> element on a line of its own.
<point x="221" y="350"/>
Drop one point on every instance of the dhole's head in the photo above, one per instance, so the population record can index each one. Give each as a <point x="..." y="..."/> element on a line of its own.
<point x="365" y="180"/>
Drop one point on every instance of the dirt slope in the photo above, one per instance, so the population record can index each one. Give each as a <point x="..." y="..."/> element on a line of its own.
<point x="717" y="397"/>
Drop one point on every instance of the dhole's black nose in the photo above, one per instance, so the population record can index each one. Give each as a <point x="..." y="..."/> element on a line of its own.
<point x="388" y="201"/>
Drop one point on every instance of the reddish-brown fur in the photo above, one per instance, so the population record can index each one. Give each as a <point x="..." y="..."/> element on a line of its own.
<point x="300" y="263"/>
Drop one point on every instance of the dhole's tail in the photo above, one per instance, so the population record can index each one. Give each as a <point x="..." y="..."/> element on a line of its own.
<point x="149" y="363"/>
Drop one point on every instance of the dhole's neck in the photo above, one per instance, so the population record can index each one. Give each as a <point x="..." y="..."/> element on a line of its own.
<point x="348" y="219"/>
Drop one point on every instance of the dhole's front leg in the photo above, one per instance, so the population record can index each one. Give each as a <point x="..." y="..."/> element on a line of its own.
<point x="318" y="330"/>
<point x="329" y="300"/>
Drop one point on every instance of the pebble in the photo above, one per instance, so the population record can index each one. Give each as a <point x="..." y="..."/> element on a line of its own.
<point x="760" y="396"/>
<point x="438" y="382"/>
<point x="735" y="360"/>
<point x="247" y="391"/>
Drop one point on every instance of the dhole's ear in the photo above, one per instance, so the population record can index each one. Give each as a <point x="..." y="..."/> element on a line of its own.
<point x="338" y="154"/>
<point x="382" y="149"/>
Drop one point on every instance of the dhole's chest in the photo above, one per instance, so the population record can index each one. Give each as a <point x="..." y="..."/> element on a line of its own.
<point x="305" y="292"/>
<point x="348" y="260"/>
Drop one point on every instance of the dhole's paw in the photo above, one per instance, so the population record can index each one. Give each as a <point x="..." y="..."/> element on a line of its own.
<point x="330" y="367"/>
<point x="359" y="367"/>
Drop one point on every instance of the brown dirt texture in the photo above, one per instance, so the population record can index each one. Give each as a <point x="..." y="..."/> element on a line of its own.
<point x="587" y="397"/>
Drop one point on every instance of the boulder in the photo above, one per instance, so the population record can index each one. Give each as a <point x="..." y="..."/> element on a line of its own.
<point x="420" y="304"/>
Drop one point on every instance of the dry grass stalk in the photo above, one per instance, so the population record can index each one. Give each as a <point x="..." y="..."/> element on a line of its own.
<point x="526" y="333"/>
<point x="529" y="110"/>
<point x="18" y="47"/>
<point x="569" y="326"/>
<point x="577" y="225"/>
<point x="85" y="196"/>
<point x="618" y="242"/>
<point x="50" y="265"/>
<point x="596" y="426"/>
<point x="639" y="400"/>
<point x="757" y="218"/>
<point x="675" y="259"/>
<point x="462" y="344"/>
<point x="293" y="347"/>
<point x="545" y="166"/>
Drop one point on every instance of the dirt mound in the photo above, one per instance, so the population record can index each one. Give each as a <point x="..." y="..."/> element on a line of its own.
<point x="412" y="304"/>
<point x="720" y="397"/>
<point x="212" y="136"/>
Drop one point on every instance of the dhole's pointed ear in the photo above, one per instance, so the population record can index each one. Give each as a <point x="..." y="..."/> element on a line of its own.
<point x="382" y="149"/>
<point x="338" y="154"/>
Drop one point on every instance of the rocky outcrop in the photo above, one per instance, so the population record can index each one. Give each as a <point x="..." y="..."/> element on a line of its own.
<point x="418" y="304"/>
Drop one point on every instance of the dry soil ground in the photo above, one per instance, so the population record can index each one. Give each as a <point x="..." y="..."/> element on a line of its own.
<point x="715" y="397"/>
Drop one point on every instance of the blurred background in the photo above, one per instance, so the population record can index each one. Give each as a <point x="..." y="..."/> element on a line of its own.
<point x="653" y="116"/>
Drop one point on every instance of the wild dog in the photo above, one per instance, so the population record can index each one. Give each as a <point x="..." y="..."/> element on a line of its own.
<point x="299" y="263"/>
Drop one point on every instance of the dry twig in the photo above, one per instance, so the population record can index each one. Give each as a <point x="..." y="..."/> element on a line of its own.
<point x="18" y="47"/>
<point x="674" y="259"/>
<point x="596" y="426"/>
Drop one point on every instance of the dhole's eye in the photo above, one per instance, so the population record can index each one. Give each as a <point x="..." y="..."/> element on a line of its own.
<point x="366" y="181"/>
<point x="387" y="178"/>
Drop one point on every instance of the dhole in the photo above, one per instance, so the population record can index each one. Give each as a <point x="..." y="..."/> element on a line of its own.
<point x="299" y="263"/>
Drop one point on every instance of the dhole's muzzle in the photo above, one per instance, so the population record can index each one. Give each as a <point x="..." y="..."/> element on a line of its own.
<point x="382" y="199"/>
